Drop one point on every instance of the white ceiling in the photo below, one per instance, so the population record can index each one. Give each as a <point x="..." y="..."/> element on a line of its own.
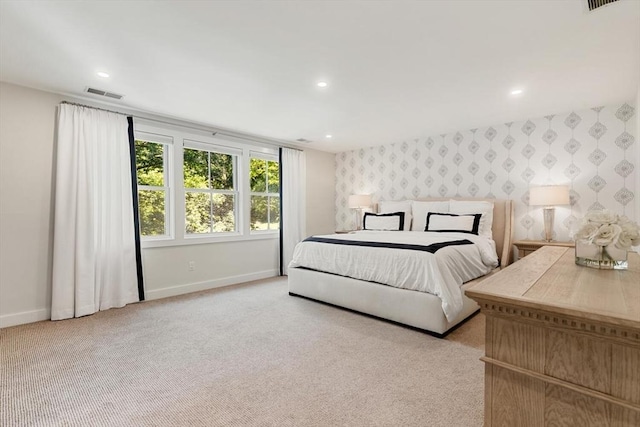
<point x="396" y="70"/>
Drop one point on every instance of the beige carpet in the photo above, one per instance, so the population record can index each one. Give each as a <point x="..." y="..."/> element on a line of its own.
<point x="248" y="355"/>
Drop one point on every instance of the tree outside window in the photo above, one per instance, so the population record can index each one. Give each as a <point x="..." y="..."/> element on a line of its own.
<point x="153" y="187"/>
<point x="210" y="192"/>
<point x="206" y="177"/>
<point x="265" y="194"/>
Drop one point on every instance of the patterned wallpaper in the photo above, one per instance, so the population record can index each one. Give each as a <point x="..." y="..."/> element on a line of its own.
<point x="592" y="151"/>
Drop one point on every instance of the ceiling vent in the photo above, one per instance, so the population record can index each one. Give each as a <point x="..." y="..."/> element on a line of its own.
<point x="103" y="93"/>
<point x="303" y="140"/>
<point x="594" y="4"/>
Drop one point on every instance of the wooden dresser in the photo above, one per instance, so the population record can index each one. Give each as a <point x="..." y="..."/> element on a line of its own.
<point x="526" y="247"/>
<point x="562" y="342"/>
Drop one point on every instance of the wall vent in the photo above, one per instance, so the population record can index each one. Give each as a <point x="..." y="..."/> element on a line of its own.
<point x="594" y="4"/>
<point x="103" y="93"/>
<point x="303" y="140"/>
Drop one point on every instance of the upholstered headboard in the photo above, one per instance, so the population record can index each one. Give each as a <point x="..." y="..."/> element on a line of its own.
<point x="502" y="225"/>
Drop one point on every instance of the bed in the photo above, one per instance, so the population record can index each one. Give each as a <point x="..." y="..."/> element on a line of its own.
<point x="404" y="305"/>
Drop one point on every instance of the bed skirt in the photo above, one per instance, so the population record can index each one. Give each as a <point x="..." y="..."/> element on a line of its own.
<point x="417" y="309"/>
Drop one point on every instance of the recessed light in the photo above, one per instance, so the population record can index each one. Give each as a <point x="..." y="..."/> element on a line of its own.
<point x="102" y="74"/>
<point x="328" y="136"/>
<point x="322" y="84"/>
<point x="516" y="92"/>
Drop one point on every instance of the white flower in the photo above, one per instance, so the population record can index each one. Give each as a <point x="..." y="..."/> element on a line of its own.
<point x="629" y="236"/>
<point x="607" y="234"/>
<point x="602" y="217"/>
<point x="587" y="232"/>
<point x="604" y="227"/>
<point x="623" y="241"/>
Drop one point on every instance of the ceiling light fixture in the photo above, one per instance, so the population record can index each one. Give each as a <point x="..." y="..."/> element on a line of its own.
<point x="322" y="84"/>
<point x="516" y="92"/>
<point x="102" y="74"/>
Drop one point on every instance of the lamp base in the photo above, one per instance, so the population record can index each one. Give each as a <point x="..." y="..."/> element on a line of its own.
<point x="358" y="218"/>
<point x="548" y="214"/>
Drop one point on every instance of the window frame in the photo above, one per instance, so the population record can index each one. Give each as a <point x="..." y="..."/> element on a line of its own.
<point x="268" y="158"/>
<point x="217" y="149"/>
<point x="177" y="223"/>
<point x="167" y="156"/>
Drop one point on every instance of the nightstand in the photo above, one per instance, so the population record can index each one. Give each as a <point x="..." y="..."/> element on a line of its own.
<point x="344" y="231"/>
<point x="525" y="247"/>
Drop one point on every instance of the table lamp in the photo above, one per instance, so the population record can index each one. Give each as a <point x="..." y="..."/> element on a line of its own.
<point x="549" y="196"/>
<point x="359" y="202"/>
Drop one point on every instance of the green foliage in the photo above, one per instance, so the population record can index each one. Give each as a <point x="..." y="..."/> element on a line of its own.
<point x="149" y="163"/>
<point x="208" y="212"/>
<point x="274" y="213"/>
<point x="205" y="212"/>
<point x="198" y="212"/>
<point x="273" y="176"/>
<point x="223" y="215"/>
<point x="151" y="203"/>
<point x="221" y="171"/>
<point x="264" y="178"/>
<point x="196" y="168"/>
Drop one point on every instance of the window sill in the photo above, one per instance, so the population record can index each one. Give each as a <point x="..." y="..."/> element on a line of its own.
<point x="188" y="241"/>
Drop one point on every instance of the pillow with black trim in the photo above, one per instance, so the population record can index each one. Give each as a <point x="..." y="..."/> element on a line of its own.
<point x="421" y="208"/>
<point x="483" y="207"/>
<point x="383" y="222"/>
<point x="453" y="223"/>
<point x="392" y="206"/>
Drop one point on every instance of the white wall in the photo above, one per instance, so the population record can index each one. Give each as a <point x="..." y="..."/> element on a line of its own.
<point x="321" y="193"/>
<point x="27" y="120"/>
<point x="166" y="271"/>
<point x="27" y="129"/>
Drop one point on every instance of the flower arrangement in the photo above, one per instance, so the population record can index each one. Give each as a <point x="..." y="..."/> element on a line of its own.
<point x="603" y="228"/>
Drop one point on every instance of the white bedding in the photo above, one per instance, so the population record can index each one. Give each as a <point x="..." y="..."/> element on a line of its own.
<point x="440" y="273"/>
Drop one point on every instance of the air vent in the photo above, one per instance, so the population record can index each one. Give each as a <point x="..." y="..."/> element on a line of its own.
<point x="594" y="4"/>
<point x="303" y="140"/>
<point x="104" y="93"/>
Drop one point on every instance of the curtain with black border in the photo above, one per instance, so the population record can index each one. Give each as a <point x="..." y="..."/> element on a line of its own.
<point x="280" y="190"/>
<point x="94" y="237"/>
<point x="292" y="203"/>
<point x="136" y="213"/>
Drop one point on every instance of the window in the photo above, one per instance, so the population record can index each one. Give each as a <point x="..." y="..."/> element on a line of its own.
<point x="196" y="189"/>
<point x="152" y="160"/>
<point x="265" y="194"/>
<point x="210" y="190"/>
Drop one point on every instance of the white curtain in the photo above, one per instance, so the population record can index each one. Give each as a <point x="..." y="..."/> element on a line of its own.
<point x="94" y="258"/>
<point x="293" y="170"/>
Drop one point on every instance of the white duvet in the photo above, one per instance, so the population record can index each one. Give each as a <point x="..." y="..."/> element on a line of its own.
<point x="441" y="273"/>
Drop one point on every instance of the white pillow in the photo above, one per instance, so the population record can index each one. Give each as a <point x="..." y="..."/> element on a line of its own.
<point x="383" y="221"/>
<point x="402" y="206"/>
<point x="473" y="207"/>
<point x="453" y="223"/>
<point x="421" y="209"/>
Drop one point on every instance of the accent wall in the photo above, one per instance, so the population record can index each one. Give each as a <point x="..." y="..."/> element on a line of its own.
<point x="592" y="151"/>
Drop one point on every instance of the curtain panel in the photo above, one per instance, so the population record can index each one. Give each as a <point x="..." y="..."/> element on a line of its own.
<point x="136" y="212"/>
<point x="94" y="249"/>
<point x="293" y="213"/>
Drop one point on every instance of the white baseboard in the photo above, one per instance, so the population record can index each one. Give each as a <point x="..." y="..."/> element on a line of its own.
<point x="209" y="284"/>
<point x="15" y="319"/>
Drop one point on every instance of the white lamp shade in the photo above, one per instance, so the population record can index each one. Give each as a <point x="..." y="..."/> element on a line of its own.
<point x="549" y="195"/>
<point x="359" y="201"/>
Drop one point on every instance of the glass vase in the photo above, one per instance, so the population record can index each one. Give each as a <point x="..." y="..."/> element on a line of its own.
<point x="602" y="257"/>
